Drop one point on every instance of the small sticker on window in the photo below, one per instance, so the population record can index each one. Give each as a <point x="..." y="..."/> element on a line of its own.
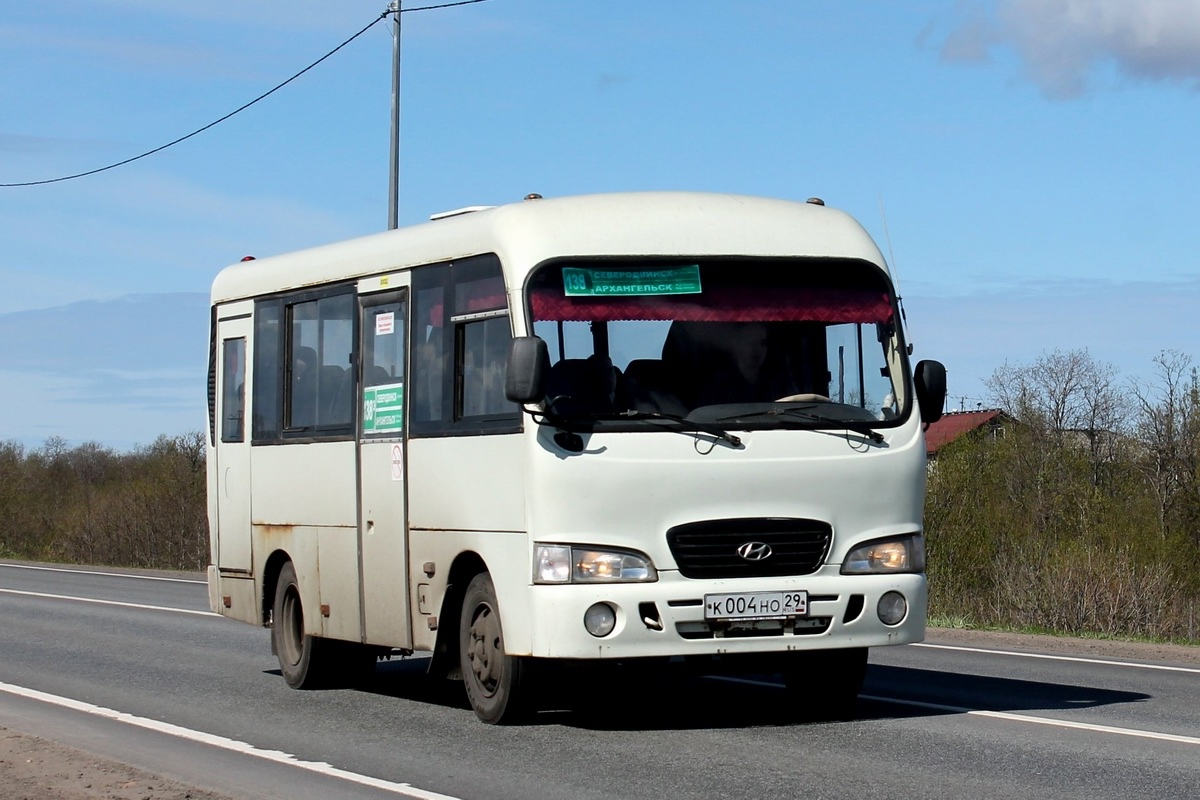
<point x="597" y="282"/>
<point x="385" y="323"/>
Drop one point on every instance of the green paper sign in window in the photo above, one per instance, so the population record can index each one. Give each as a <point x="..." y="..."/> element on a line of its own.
<point x="600" y="282"/>
<point x="383" y="409"/>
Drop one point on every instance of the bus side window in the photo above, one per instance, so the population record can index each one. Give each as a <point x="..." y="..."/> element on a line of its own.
<point x="321" y="333"/>
<point x="233" y="394"/>
<point x="482" y="336"/>
<point x="460" y="339"/>
<point x="428" y="355"/>
<point x="485" y="352"/>
<point x="268" y="399"/>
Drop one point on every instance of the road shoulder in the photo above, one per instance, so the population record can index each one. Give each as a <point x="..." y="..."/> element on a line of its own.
<point x="1167" y="654"/>
<point x="32" y="768"/>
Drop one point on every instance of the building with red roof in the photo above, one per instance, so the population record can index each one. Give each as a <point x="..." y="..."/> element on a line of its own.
<point x="959" y="423"/>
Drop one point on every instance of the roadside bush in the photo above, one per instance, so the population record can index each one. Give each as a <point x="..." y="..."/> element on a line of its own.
<point x="91" y="505"/>
<point x="1086" y="529"/>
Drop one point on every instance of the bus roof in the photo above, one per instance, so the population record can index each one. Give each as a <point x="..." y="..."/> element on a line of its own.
<point x="524" y="234"/>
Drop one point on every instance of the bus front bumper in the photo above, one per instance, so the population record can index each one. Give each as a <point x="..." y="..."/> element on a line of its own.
<point x="668" y="618"/>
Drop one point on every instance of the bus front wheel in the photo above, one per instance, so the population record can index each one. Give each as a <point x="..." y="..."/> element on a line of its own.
<point x="492" y="678"/>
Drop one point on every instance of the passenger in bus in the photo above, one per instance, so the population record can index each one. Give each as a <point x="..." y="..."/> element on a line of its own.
<point x="304" y="388"/>
<point x="647" y="385"/>
<point x="485" y="358"/>
<point x="747" y="350"/>
<point x="582" y="385"/>
<point x="719" y="362"/>
<point x="331" y="377"/>
<point x="427" y="374"/>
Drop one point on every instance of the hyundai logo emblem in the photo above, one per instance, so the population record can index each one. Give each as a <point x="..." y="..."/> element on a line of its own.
<point x="755" y="551"/>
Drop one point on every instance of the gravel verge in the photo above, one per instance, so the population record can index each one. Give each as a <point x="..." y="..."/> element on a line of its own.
<point x="35" y="769"/>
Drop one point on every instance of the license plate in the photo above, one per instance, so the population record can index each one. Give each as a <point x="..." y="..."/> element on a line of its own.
<point x="755" y="605"/>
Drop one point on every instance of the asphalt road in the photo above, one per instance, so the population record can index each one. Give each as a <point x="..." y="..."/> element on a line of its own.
<point x="134" y="668"/>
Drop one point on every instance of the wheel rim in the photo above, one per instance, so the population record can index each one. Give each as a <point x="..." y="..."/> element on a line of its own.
<point x="484" y="648"/>
<point x="292" y="626"/>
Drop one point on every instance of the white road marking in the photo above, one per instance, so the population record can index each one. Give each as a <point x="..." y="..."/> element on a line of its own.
<point x="110" y="602"/>
<point x="233" y="745"/>
<point x="1057" y="723"/>
<point x="1078" y="659"/>
<point x="106" y="574"/>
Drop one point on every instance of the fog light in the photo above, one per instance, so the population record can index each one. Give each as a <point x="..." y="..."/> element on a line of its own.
<point x="600" y="619"/>
<point x="892" y="608"/>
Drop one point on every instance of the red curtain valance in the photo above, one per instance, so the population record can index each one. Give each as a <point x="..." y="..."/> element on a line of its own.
<point x="731" y="304"/>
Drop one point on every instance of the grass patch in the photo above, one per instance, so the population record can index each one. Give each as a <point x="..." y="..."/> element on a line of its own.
<point x="966" y="623"/>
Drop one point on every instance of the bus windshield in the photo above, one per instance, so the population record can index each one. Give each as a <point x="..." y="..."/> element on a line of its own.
<point x="744" y="342"/>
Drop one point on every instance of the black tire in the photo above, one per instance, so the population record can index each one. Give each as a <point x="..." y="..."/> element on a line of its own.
<point x="304" y="660"/>
<point x="494" y="680"/>
<point x="824" y="684"/>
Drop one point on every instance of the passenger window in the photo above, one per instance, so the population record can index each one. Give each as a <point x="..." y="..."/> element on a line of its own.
<point x="485" y="353"/>
<point x="305" y="379"/>
<point x="233" y="392"/>
<point x="461" y="336"/>
<point x="268" y="392"/>
<point x="429" y="352"/>
<point x="320" y="345"/>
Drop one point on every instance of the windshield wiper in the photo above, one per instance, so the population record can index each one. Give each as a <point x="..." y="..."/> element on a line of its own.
<point x="685" y="424"/>
<point x="678" y="424"/>
<point x="792" y="413"/>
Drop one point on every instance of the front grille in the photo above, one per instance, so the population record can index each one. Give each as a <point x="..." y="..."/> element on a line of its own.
<point x="806" y="626"/>
<point x="710" y="549"/>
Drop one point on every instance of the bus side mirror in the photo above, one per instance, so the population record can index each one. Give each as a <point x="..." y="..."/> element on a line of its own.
<point x="930" y="377"/>
<point x="528" y="365"/>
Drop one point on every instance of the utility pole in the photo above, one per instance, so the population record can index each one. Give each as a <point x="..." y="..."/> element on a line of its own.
<point x="394" y="182"/>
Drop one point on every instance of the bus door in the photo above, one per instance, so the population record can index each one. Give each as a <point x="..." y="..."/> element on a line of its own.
<point x="382" y="468"/>
<point x="232" y="443"/>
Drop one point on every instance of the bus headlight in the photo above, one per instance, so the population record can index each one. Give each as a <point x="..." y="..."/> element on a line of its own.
<point x="561" y="563"/>
<point x="901" y="554"/>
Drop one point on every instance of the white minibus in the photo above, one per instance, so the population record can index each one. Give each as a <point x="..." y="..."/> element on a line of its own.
<point x="644" y="429"/>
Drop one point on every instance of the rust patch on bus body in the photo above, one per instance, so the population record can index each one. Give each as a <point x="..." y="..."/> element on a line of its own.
<point x="276" y="529"/>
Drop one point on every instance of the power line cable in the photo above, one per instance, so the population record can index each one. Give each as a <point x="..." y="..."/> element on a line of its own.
<point x="242" y="108"/>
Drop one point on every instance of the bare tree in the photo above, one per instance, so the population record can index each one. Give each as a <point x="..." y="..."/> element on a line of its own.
<point x="1168" y="427"/>
<point x="1085" y="515"/>
<point x="1067" y="397"/>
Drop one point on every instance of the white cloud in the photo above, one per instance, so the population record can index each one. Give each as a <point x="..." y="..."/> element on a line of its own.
<point x="1061" y="43"/>
<point x="119" y="372"/>
<point x="140" y="231"/>
<point x="29" y="289"/>
<point x="81" y="410"/>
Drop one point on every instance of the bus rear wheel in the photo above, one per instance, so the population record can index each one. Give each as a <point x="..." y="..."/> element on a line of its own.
<point x="303" y="659"/>
<point x="493" y="679"/>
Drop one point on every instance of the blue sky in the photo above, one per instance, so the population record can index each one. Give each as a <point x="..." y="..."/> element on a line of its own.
<point x="1035" y="162"/>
